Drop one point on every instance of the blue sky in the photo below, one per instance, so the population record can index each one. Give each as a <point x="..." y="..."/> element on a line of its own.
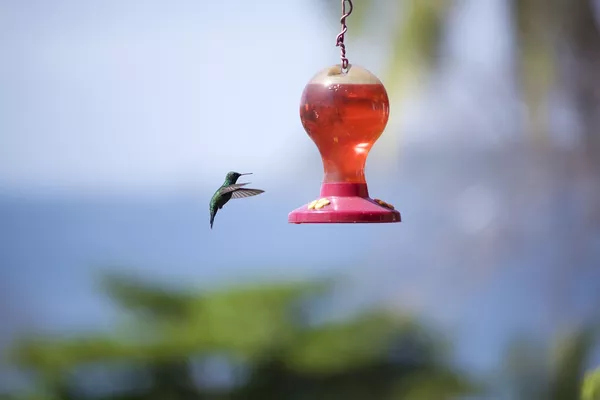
<point x="122" y="94"/>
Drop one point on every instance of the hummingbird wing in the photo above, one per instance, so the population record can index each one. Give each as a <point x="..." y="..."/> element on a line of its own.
<point x="231" y="188"/>
<point x="241" y="193"/>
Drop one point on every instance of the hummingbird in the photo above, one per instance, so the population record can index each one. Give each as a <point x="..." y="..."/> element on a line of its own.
<point x="229" y="190"/>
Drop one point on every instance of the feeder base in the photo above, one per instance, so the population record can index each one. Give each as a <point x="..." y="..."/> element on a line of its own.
<point x="344" y="203"/>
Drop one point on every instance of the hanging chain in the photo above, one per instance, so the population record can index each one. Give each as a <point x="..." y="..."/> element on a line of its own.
<point x="341" y="36"/>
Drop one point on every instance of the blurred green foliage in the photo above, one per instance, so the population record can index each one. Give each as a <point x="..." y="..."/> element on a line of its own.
<point x="591" y="386"/>
<point x="267" y="336"/>
<point x="268" y="340"/>
<point x="537" y="371"/>
<point x="570" y="362"/>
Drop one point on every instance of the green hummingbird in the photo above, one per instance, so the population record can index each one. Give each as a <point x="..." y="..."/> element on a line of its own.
<point x="229" y="190"/>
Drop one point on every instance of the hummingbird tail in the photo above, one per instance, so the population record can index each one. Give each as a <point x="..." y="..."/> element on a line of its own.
<point x="212" y="219"/>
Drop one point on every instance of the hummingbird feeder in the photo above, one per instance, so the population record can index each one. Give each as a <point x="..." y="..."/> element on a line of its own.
<point x="344" y="110"/>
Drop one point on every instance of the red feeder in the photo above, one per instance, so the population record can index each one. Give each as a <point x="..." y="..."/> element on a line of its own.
<point x="344" y="113"/>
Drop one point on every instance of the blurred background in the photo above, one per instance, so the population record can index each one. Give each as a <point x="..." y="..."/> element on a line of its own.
<point x="119" y="119"/>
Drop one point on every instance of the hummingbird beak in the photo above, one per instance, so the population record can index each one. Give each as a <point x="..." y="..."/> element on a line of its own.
<point x="247" y="173"/>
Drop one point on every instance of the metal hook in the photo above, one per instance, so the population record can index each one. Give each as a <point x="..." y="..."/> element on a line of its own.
<point x="340" y="38"/>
